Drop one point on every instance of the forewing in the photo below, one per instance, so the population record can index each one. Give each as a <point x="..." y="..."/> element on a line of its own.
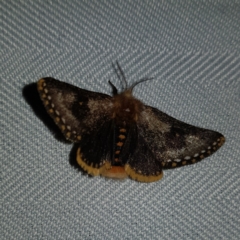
<point x="74" y="110"/>
<point x="175" y="143"/>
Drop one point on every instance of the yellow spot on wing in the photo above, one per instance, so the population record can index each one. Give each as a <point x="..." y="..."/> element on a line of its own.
<point x="140" y="177"/>
<point x="39" y="84"/>
<point x="174" y="164"/>
<point x="68" y="134"/>
<point x="221" y="142"/>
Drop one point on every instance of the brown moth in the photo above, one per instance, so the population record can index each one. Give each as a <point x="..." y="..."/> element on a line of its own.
<point x="118" y="136"/>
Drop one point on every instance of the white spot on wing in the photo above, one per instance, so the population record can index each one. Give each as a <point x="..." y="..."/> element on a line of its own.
<point x="177" y="160"/>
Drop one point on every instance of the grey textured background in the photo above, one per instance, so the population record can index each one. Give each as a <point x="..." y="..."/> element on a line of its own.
<point x="191" y="48"/>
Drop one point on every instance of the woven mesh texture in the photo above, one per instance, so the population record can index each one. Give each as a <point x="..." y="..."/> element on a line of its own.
<point x="191" y="48"/>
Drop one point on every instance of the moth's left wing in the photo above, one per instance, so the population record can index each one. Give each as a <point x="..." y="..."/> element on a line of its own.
<point x="173" y="142"/>
<point x="76" y="111"/>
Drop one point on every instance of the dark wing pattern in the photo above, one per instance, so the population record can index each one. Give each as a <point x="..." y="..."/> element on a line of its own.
<point x="75" y="111"/>
<point x="153" y="139"/>
<point x="141" y="163"/>
<point x="137" y="158"/>
<point x="167" y="142"/>
<point x="83" y="117"/>
<point x="96" y="150"/>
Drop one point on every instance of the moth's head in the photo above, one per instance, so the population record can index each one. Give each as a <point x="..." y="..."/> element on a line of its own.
<point x="125" y="106"/>
<point x="125" y="87"/>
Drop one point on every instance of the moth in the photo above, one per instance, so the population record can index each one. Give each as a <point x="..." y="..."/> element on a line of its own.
<point x="118" y="136"/>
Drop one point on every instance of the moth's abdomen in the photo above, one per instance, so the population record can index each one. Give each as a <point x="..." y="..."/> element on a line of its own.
<point x="121" y="137"/>
<point x="117" y="169"/>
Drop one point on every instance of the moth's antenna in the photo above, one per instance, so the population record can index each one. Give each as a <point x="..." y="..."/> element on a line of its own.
<point x="116" y="71"/>
<point x="115" y="91"/>
<point x="122" y="78"/>
<point x="122" y="74"/>
<point x="140" y="81"/>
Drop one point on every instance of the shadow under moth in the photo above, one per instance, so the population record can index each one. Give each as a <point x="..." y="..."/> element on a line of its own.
<point x="121" y="137"/>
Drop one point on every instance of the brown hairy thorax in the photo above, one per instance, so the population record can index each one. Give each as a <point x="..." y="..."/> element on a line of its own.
<point x="126" y="108"/>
